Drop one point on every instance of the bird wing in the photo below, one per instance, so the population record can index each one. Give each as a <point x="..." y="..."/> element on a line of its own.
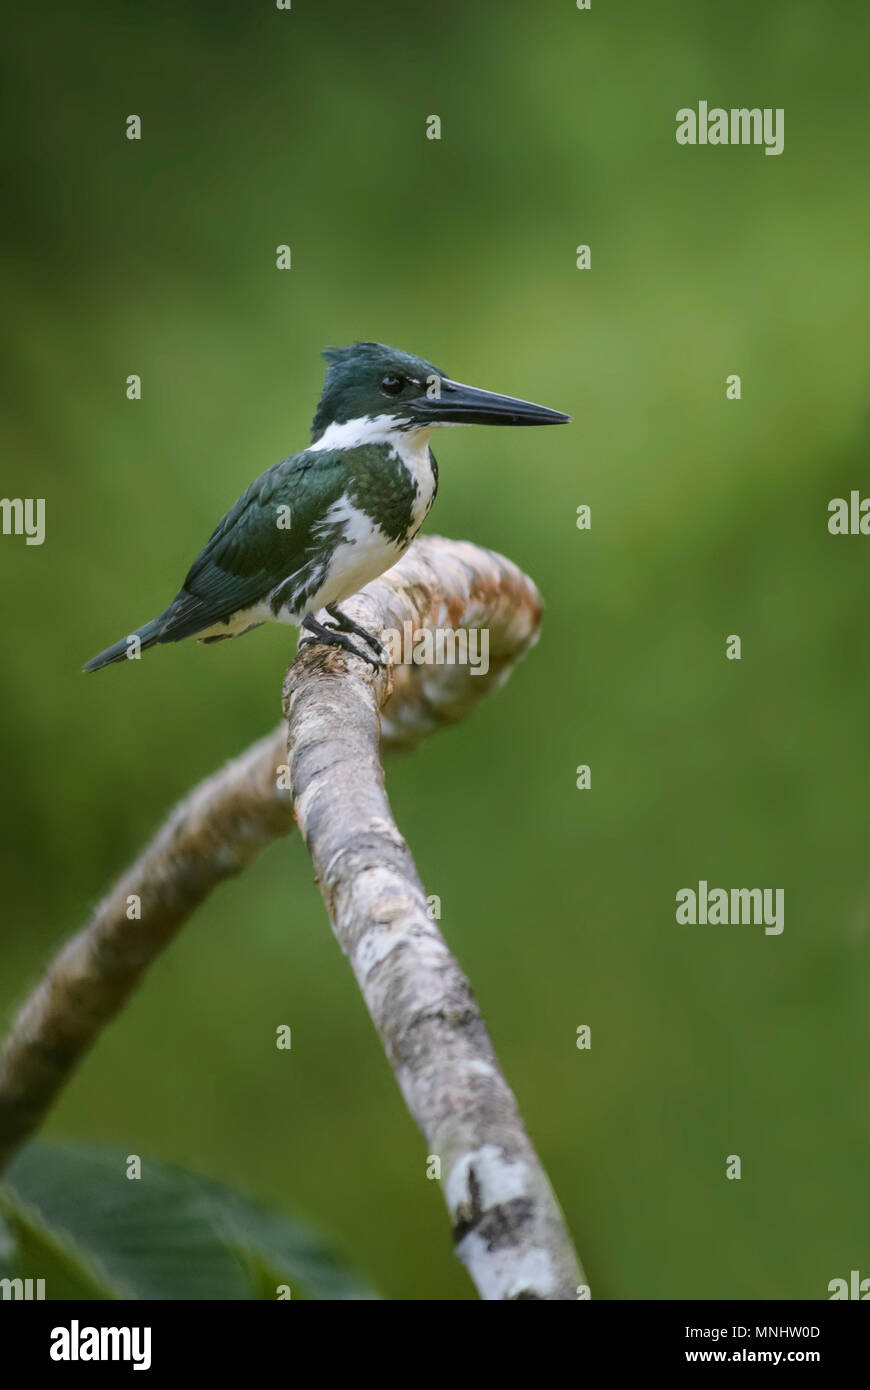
<point x="249" y="553"/>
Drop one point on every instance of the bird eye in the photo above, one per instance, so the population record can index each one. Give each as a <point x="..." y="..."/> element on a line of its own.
<point x="392" y="385"/>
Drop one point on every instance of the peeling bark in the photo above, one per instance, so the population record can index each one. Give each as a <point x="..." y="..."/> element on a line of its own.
<point x="508" y="1228"/>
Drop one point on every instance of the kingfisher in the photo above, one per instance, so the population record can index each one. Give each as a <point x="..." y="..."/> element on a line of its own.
<point x="319" y="525"/>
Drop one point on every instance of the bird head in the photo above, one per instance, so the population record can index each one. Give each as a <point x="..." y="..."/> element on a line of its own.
<point x="369" y="384"/>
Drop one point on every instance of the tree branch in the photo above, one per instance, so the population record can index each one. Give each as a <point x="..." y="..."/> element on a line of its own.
<point x="509" y="1229"/>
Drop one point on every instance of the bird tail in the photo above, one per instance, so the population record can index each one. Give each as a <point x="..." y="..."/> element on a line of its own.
<point x="145" y="637"/>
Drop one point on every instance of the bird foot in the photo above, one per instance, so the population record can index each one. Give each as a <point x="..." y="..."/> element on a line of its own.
<point x="345" y="624"/>
<point x="333" y="636"/>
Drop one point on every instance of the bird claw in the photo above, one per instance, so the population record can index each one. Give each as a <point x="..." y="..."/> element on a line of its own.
<point x="345" y="624"/>
<point x="332" y="637"/>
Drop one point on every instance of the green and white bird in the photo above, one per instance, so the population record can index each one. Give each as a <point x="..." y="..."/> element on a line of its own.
<point x="318" y="526"/>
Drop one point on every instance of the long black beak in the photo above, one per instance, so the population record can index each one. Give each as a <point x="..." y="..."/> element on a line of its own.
<point x="467" y="405"/>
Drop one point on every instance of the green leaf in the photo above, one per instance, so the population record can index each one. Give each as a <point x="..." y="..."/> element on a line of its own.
<point x="70" y="1215"/>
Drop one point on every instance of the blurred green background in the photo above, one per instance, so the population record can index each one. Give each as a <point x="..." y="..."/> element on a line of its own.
<point x="709" y="517"/>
